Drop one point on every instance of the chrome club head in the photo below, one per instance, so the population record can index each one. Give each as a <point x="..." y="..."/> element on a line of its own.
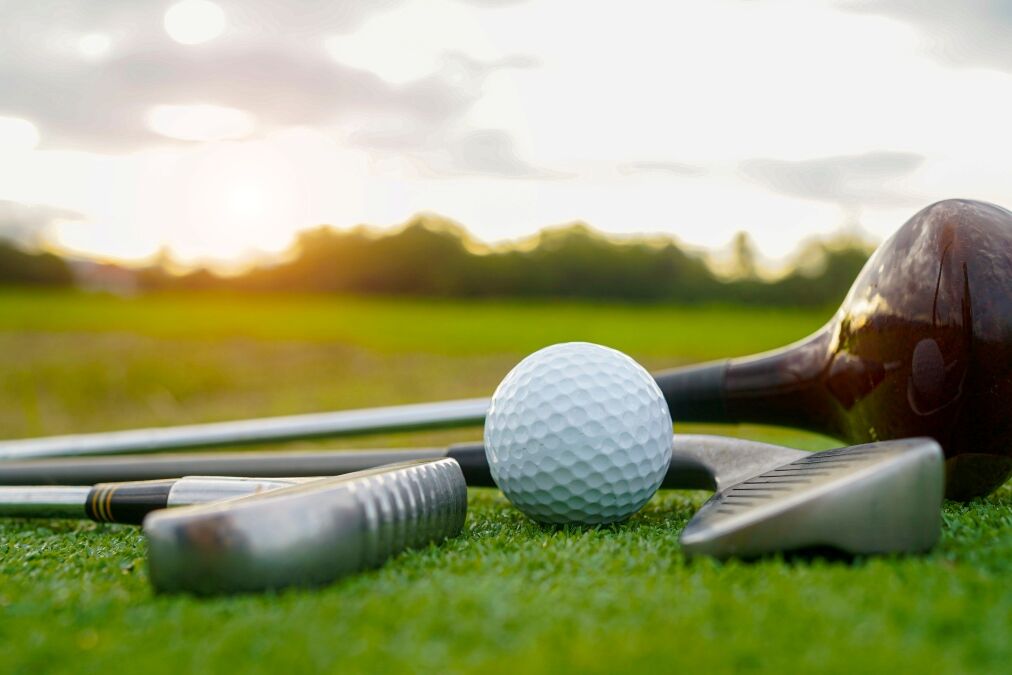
<point x="876" y="498"/>
<point x="307" y="534"/>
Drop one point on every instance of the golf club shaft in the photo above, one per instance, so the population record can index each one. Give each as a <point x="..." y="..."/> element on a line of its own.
<point x="250" y="432"/>
<point x="697" y="462"/>
<point x="127" y="502"/>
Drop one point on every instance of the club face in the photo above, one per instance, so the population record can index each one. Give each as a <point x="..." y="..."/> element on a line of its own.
<point x="308" y="534"/>
<point x="874" y="498"/>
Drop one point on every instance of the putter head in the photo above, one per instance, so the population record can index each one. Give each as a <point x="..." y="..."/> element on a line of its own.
<point x="307" y="534"/>
<point x="876" y="498"/>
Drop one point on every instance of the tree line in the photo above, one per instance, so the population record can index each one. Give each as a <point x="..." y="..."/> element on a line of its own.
<point x="433" y="257"/>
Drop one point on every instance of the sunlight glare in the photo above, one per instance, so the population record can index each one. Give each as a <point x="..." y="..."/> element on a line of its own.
<point x="231" y="200"/>
<point x="17" y="134"/>
<point x="245" y="201"/>
<point x="94" y="45"/>
<point x="191" y="22"/>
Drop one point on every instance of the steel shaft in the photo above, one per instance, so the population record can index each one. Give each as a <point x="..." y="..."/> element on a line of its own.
<point x="248" y="432"/>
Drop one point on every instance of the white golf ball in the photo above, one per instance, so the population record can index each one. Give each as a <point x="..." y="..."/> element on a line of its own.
<point x="578" y="433"/>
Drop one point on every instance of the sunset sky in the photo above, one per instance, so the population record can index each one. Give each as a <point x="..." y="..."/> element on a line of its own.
<point x="219" y="129"/>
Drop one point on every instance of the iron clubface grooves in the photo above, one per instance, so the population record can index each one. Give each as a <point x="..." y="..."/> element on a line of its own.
<point x="873" y="498"/>
<point x="308" y="534"/>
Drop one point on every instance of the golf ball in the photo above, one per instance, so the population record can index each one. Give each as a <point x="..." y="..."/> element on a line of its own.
<point x="578" y="433"/>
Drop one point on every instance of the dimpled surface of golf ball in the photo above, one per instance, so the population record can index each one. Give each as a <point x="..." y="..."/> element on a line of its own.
<point x="578" y="433"/>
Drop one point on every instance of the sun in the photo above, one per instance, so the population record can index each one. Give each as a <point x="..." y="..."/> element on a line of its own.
<point x="94" y="45"/>
<point x="191" y="22"/>
<point x="245" y="202"/>
<point x="17" y="134"/>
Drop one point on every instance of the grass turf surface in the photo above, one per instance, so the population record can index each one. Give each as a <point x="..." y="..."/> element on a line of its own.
<point x="507" y="595"/>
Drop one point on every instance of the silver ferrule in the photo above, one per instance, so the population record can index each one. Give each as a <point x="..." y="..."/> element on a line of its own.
<point x="203" y="489"/>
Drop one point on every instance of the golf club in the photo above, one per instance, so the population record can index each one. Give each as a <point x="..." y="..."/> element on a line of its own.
<point x="875" y="498"/>
<point x="921" y="346"/>
<point x="836" y="498"/>
<point x="128" y="502"/>
<point x="697" y="462"/>
<point x="307" y="534"/>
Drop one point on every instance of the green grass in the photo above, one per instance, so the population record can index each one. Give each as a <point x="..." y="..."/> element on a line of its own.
<point x="506" y="596"/>
<point x="445" y="327"/>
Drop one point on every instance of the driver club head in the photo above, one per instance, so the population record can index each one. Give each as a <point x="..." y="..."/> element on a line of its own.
<point x="876" y="498"/>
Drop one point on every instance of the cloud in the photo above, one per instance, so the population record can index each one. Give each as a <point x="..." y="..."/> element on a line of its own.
<point x="271" y="66"/>
<point x="141" y="21"/>
<point x="458" y="66"/>
<point x="104" y="107"/>
<point x="493" y="4"/>
<point x="674" y="168"/>
<point x="966" y="33"/>
<point x="29" y="224"/>
<point x="449" y="149"/>
<point x="490" y="152"/>
<point x="849" y="181"/>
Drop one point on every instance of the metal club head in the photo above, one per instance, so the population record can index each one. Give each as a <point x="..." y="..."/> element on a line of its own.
<point x="717" y="462"/>
<point x="875" y="498"/>
<point x="307" y="534"/>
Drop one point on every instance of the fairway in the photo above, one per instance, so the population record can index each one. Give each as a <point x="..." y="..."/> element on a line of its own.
<point x="508" y="595"/>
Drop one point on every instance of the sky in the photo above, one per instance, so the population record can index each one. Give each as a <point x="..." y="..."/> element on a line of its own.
<point x="220" y="129"/>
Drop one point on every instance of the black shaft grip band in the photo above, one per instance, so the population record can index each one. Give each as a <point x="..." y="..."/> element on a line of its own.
<point x="474" y="464"/>
<point x="684" y="473"/>
<point x="696" y="393"/>
<point x="127" y="502"/>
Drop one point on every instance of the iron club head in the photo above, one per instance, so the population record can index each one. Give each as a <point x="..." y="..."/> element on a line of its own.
<point x="875" y="498"/>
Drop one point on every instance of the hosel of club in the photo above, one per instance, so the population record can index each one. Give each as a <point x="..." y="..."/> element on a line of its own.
<point x="778" y="387"/>
<point x="696" y="392"/>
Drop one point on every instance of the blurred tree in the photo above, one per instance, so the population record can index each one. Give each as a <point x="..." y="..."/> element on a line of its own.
<point x="21" y="267"/>
<point x="744" y="265"/>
